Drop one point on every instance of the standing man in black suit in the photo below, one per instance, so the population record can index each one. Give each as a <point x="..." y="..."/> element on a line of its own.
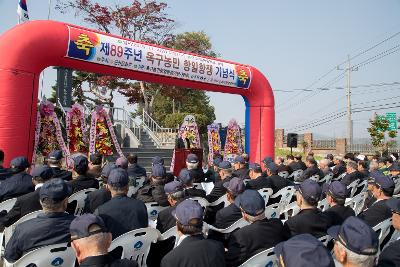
<point x="192" y="250"/>
<point x="336" y="197"/>
<point x="29" y="202"/>
<point x="81" y="179"/>
<point x="382" y="188"/>
<point x="54" y="160"/>
<point x="261" y="234"/>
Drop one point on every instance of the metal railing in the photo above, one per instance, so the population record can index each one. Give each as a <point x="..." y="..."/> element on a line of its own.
<point x="121" y="115"/>
<point x="163" y="137"/>
<point x="329" y="144"/>
<point x="368" y="149"/>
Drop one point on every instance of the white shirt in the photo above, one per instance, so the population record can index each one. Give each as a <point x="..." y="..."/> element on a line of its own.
<point x="38" y="186"/>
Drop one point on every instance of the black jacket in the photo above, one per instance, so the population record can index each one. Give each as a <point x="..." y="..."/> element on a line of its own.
<point x="136" y="170"/>
<point x="338" y="214"/>
<point x="16" y="185"/>
<point x="218" y="191"/>
<point x="194" y="192"/>
<point x="152" y="193"/>
<point x="83" y="182"/>
<point x="311" y="171"/>
<point x="46" y="229"/>
<point x="242" y="173"/>
<point x="351" y="177"/>
<point x="308" y="221"/>
<point x="197" y="175"/>
<point x="390" y="256"/>
<point x="275" y="182"/>
<point x="260" y="182"/>
<point x="339" y="169"/>
<point x="296" y="165"/>
<point x="107" y="261"/>
<point x="165" y="220"/>
<point x="95" y="199"/>
<point x="25" y="204"/>
<point x="63" y="174"/>
<point x="195" y="251"/>
<point x="123" y="214"/>
<point x="227" y="216"/>
<point x="252" y="239"/>
<point x="378" y="212"/>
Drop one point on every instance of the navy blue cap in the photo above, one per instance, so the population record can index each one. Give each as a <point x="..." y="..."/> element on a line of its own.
<point x="105" y="172"/>
<point x="356" y="235"/>
<point x="158" y="171"/>
<point x="55" y="155"/>
<point x="121" y="162"/>
<point x="251" y="202"/>
<point x="383" y="181"/>
<point x="188" y="210"/>
<point x="20" y="163"/>
<point x="394" y="167"/>
<point x="255" y="166"/>
<point x="235" y="186"/>
<point x="217" y="161"/>
<point x="185" y="177"/>
<point x="79" y="227"/>
<point x="192" y="158"/>
<point x="225" y="165"/>
<point x="118" y="177"/>
<point x="42" y="171"/>
<point x="272" y="167"/>
<point x="393" y="204"/>
<point x="55" y="189"/>
<point x="267" y="160"/>
<point x="173" y="187"/>
<point x="239" y="159"/>
<point x="310" y="190"/>
<point x="338" y="190"/>
<point x="303" y="250"/>
<point x="81" y="163"/>
<point x="157" y="160"/>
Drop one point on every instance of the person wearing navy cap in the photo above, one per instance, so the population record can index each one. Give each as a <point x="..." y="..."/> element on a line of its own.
<point x="18" y="184"/>
<point x="154" y="190"/>
<point x="95" y="165"/>
<point x="394" y="170"/>
<point x="91" y="240"/>
<point x="336" y="197"/>
<point x="225" y="172"/>
<point x="122" y="214"/>
<point x="272" y="180"/>
<point x="356" y="243"/>
<point x="390" y="256"/>
<point x="192" y="165"/>
<point x="239" y="164"/>
<point x="192" y="250"/>
<point x="81" y="180"/>
<point x="258" y="179"/>
<point x="382" y="188"/>
<point x="312" y="170"/>
<point x="122" y="163"/>
<point x="310" y="220"/>
<point x="99" y="197"/>
<point x="29" y="202"/>
<point x="261" y="233"/>
<point x="54" y="160"/>
<point x="303" y="251"/>
<point x="49" y="228"/>
<point x="185" y="177"/>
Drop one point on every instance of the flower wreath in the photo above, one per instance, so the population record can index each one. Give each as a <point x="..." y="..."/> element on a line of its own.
<point x="233" y="143"/>
<point x="76" y="129"/>
<point x="214" y="141"/>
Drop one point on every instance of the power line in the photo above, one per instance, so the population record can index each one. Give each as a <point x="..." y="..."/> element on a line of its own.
<point x="341" y="87"/>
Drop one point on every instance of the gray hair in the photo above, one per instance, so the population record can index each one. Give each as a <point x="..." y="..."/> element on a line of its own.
<point x="192" y="166"/>
<point x="373" y="165"/>
<point x="324" y="162"/>
<point x="338" y="157"/>
<point x="358" y="259"/>
<point x="255" y="218"/>
<point x="352" y="165"/>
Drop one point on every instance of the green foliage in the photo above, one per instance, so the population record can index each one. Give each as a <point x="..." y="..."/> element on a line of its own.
<point x="378" y="130"/>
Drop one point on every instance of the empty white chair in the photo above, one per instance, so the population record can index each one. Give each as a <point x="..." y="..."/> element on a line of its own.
<point x="153" y="208"/>
<point x="290" y="210"/>
<point x="323" y="205"/>
<point x="296" y="175"/>
<point x="352" y="187"/>
<point x="202" y="201"/>
<point x="285" y="195"/>
<point x="236" y="225"/>
<point x="265" y="258"/>
<point x="326" y="179"/>
<point x="208" y="187"/>
<point x="283" y="174"/>
<point x="59" y="255"/>
<point x="356" y="203"/>
<point x="272" y="211"/>
<point x="80" y="197"/>
<point x="265" y="193"/>
<point x="7" y="204"/>
<point x="136" y="244"/>
<point x="383" y="229"/>
<point x="9" y="230"/>
<point x="325" y="239"/>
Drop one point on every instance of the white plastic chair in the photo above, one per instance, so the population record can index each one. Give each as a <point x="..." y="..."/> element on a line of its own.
<point x="153" y="208"/>
<point x="140" y="181"/>
<point x="59" y="255"/>
<point x="170" y="233"/>
<point x="10" y="230"/>
<point x="283" y="174"/>
<point x="326" y="179"/>
<point x="132" y="190"/>
<point x="7" y="204"/>
<point x="383" y="229"/>
<point x="296" y="175"/>
<point x="266" y="193"/>
<point x="396" y="186"/>
<point x="236" y="225"/>
<point x="339" y="177"/>
<point x="202" y="201"/>
<point x="323" y="204"/>
<point x="208" y="187"/>
<point x="272" y="211"/>
<point x="352" y="187"/>
<point x="356" y="203"/>
<point x="265" y="258"/>
<point x="223" y="199"/>
<point x="286" y="195"/>
<point x="80" y="197"/>
<point x="314" y="178"/>
<point x="325" y="239"/>
<point x="290" y="210"/>
<point x="136" y="244"/>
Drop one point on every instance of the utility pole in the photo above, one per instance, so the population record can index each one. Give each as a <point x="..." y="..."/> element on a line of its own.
<point x="349" y="121"/>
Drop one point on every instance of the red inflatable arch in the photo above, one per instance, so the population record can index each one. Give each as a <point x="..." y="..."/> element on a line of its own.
<point x="27" y="49"/>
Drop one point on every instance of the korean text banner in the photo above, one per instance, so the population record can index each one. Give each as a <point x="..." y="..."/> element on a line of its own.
<point x="120" y="53"/>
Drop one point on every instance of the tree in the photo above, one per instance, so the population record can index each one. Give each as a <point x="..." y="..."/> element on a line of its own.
<point x="379" y="131"/>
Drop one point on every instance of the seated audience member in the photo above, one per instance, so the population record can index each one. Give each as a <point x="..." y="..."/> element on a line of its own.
<point x="122" y="163"/>
<point x="261" y="234"/>
<point x="95" y="168"/>
<point x="91" y="240"/>
<point x="284" y="168"/>
<point x="4" y="172"/>
<point x="293" y="166"/>
<point x="279" y="161"/>
<point x="356" y="244"/>
<point x="390" y="256"/>
<point x="192" y="250"/>
<point x="169" y="177"/>
<point x="257" y="179"/>
<point x="154" y="191"/>
<point x="246" y="160"/>
<point x="54" y="160"/>
<point x="352" y="174"/>
<point x="29" y="202"/>
<point x="382" y="163"/>
<point x="310" y="220"/>
<point x="329" y="157"/>
<point x="212" y="173"/>
<point x="134" y="169"/>
<point x="239" y="164"/>
<point x="382" y="188"/>
<point x="324" y="167"/>
<point x="50" y="228"/>
<point x="99" y="197"/>
<point x="18" y="184"/>
<point x="189" y="190"/>
<point x="312" y="169"/>
<point x="362" y="167"/>
<point x="267" y="160"/>
<point x="348" y="157"/>
<point x="339" y="168"/>
<point x="81" y="180"/>
<point x="303" y="251"/>
<point x="192" y="165"/>
<point x="122" y="214"/>
<point x="273" y="180"/>
<point x="302" y="165"/>
<point x="336" y="197"/>
<point x="225" y="172"/>
<point x="394" y="170"/>
<point x="373" y="166"/>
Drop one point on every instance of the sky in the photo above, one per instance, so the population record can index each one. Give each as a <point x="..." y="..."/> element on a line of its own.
<point x="293" y="43"/>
